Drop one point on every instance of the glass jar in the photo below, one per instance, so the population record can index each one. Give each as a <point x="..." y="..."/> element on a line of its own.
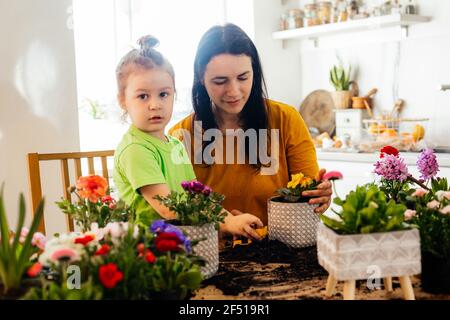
<point x="324" y="12"/>
<point x="283" y="22"/>
<point x="311" y="18"/>
<point x="295" y="19"/>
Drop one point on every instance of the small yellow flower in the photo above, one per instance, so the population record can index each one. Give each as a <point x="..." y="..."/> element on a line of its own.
<point x="305" y="182"/>
<point x="295" y="180"/>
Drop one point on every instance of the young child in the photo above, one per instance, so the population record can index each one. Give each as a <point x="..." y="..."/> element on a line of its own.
<point x="148" y="162"/>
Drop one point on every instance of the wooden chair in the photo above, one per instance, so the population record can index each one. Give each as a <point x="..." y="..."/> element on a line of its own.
<point x="63" y="158"/>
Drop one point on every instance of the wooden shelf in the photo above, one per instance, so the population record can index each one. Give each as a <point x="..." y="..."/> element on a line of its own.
<point x="401" y="20"/>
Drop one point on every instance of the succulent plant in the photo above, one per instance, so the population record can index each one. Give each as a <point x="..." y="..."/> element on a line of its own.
<point x="339" y="78"/>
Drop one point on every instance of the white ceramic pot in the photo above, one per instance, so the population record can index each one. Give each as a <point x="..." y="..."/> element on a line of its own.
<point x="208" y="249"/>
<point x="294" y="224"/>
<point x="360" y="256"/>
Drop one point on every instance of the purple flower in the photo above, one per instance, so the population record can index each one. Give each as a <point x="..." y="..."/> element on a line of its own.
<point x="159" y="226"/>
<point x="185" y="185"/>
<point x="207" y="191"/>
<point x="391" y="167"/>
<point x="427" y="164"/>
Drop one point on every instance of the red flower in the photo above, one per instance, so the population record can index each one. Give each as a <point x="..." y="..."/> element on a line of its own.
<point x="84" y="240"/>
<point x="34" y="270"/>
<point x="109" y="275"/>
<point x="104" y="249"/>
<point x="92" y="187"/>
<point x="388" y="150"/>
<point x="110" y="201"/>
<point x="150" y="257"/>
<point x="140" y="248"/>
<point x="167" y="241"/>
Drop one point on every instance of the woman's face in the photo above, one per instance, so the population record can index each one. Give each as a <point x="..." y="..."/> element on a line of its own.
<point x="228" y="80"/>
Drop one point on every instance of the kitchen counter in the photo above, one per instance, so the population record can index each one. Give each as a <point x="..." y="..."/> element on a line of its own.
<point x="410" y="157"/>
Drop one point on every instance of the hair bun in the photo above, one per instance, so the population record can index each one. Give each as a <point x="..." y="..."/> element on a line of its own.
<point x="148" y="41"/>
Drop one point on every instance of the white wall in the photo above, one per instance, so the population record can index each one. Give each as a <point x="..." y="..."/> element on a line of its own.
<point x="411" y="69"/>
<point x="38" y="106"/>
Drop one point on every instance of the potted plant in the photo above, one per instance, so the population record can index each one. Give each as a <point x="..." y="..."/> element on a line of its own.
<point x="430" y="210"/>
<point x="199" y="212"/>
<point x="291" y="219"/>
<point x="119" y="261"/>
<point x="94" y="205"/>
<point x="369" y="232"/>
<point x="17" y="249"/>
<point x="340" y="79"/>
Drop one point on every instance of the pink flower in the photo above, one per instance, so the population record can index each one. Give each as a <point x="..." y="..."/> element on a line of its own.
<point x="391" y="167"/>
<point x="441" y="195"/>
<point x="409" y="214"/>
<point x="420" y="193"/>
<point x="433" y="204"/>
<point x="63" y="254"/>
<point x="39" y="240"/>
<point x="23" y="234"/>
<point x="332" y="175"/>
<point x="445" y="210"/>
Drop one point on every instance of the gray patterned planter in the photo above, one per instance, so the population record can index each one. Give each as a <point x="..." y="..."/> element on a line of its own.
<point x="353" y="257"/>
<point x="207" y="249"/>
<point x="294" y="224"/>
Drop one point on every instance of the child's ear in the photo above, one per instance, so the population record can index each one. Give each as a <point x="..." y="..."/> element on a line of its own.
<point x="121" y="100"/>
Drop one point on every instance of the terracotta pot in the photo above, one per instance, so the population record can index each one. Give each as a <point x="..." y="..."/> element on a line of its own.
<point x="207" y="248"/>
<point x="358" y="256"/>
<point x="342" y="99"/>
<point x="294" y="224"/>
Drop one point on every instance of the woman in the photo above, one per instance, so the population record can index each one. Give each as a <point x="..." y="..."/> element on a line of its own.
<point x="229" y="97"/>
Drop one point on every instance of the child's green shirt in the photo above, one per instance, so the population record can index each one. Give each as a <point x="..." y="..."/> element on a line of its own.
<point x="141" y="159"/>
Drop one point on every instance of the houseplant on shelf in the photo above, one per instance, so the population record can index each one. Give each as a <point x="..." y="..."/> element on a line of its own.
<point x="94" y="205"/>
<point x="18" y="249"/>
<point x="340" y="79"/>
<point x="199" y="212"/>
<point x="291" y="219"/>
<point x="369" y="232"/>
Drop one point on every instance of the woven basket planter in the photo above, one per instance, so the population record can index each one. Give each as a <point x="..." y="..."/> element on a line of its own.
<point x="208" y="249"/>
<point x="294" y="224"/>
<point x="353" y="257"/>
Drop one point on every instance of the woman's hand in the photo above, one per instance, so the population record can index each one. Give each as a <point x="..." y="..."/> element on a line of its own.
<point x="322" y="195"/>
<point x="241" y="224"/>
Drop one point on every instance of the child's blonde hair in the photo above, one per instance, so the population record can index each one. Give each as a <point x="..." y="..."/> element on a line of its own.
<point x="145" y="57"/>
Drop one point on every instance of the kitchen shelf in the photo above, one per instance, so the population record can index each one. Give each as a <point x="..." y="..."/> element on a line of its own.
<point x="314" y="32"/>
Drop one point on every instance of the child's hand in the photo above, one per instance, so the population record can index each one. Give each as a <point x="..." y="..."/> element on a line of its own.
<point x="242" y="224"/>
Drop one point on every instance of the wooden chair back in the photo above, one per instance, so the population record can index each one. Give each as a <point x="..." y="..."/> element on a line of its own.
<point x="34" y="174"/>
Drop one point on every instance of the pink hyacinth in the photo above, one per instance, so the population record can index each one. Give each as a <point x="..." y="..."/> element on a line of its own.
<point x="420" y="193"/>
<point x="427" y="164"/>
<point x="332" y="175"/>
<point x="392" y="167"/>
<point x="409" y="214"/>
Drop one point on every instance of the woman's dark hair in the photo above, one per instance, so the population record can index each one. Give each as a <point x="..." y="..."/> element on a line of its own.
<point x="229" y="39"/>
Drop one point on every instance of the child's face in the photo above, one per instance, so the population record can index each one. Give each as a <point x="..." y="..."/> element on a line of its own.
<point x="149" y="97"/>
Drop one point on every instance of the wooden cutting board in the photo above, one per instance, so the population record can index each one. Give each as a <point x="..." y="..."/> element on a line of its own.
<point x="317" y="111"/>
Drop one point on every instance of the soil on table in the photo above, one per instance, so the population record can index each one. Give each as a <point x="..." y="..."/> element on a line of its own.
<point x="263" y="264"/>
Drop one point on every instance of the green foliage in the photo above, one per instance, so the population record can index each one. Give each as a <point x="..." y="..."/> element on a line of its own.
<point x="433" y="222"/>
<point x="195" y="208"/>
<point x="14" y="256"/>
<point x="51" y="290"/>
<point x="85" y="212"/>
<point x="366" y="210"/>
<point x="339" y="78"/>
<point x="175" y="274"/>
